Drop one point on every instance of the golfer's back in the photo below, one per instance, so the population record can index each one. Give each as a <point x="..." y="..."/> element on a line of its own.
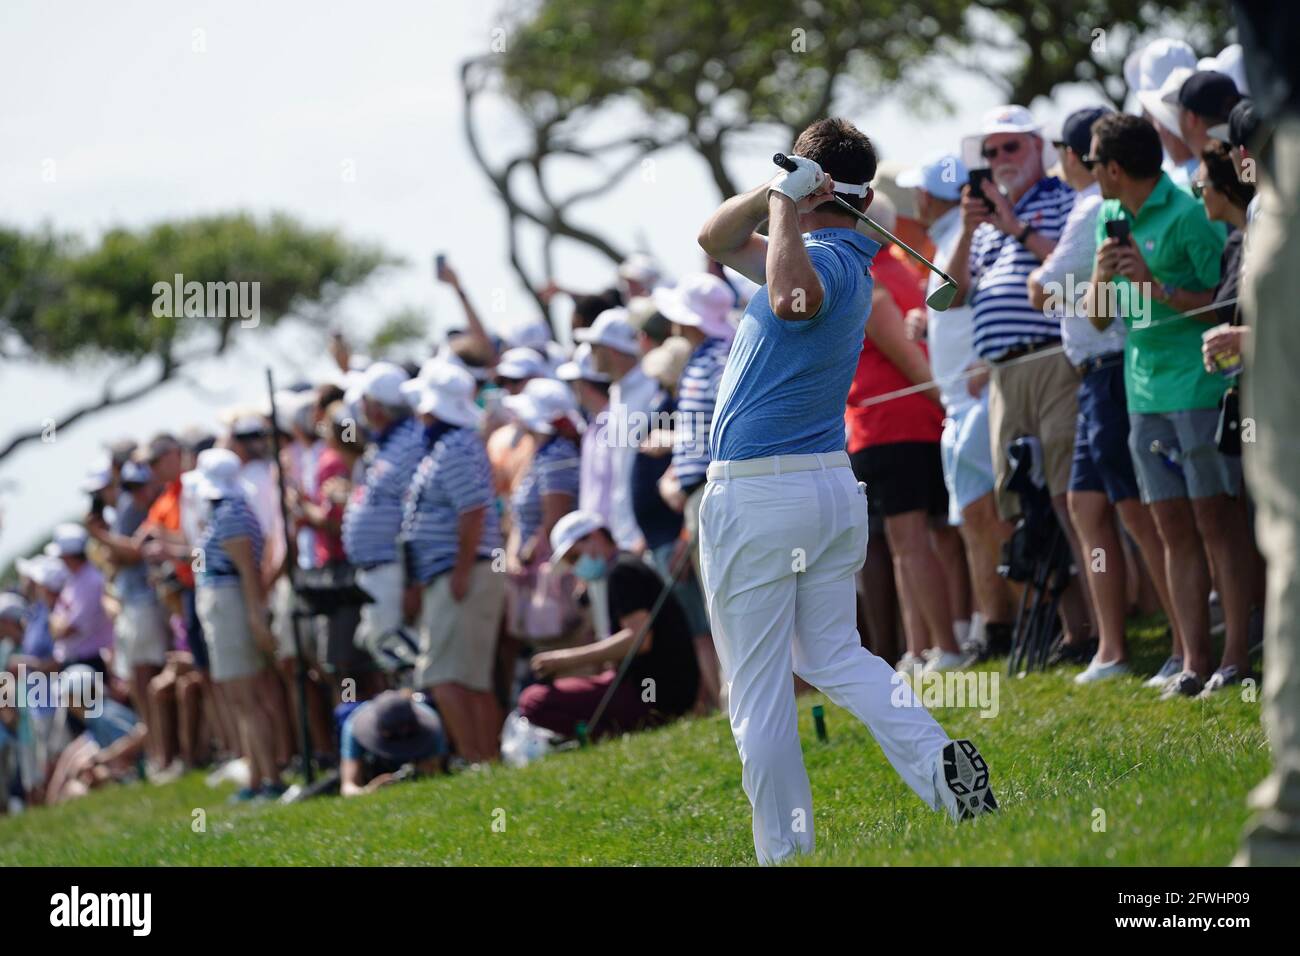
<point x="786" y="382"/>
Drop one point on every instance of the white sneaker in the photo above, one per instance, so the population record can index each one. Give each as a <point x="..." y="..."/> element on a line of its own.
<point x="909" y="662"/>
<point x="1096" y="671"/>
<point x="169" y="774"/>
<point x="1172" y="666"/>
<point x="961" y="778"/>
<point x="946" y="661"/>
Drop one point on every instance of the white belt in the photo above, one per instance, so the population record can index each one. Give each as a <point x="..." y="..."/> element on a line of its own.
<point x="777" y="465"/>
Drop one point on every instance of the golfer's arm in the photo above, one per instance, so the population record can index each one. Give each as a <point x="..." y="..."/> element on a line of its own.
<point x="729" y="237"/>
<point x="794" y="291"/>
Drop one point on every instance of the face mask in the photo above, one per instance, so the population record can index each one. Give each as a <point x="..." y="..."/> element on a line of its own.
<point x="589" y="568"/>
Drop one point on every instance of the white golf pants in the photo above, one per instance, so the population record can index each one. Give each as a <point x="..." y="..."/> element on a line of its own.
<point x="778" y="555"/>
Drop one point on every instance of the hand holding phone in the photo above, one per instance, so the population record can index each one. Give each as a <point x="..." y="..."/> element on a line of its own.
<point x="1118" y="229"/>
<point x="977" y="178"/>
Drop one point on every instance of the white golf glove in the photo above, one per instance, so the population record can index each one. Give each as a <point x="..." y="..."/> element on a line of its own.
<point x="799" y="183"/>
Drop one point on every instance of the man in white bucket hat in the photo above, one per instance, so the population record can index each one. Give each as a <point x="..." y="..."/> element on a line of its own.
<point x="450" y="533"/>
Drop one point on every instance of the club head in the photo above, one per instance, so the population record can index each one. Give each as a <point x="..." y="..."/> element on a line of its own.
<point x="942" y="297"/>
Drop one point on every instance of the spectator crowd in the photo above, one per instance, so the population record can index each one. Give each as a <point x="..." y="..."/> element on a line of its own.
<point x="499" y="544"/>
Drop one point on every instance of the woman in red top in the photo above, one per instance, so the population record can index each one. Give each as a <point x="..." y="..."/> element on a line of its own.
<point x="894" y="448"/>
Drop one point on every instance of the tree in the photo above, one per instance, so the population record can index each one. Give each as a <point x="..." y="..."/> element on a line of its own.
<point x="666" y="73"/>
<point x="62" y="300"/>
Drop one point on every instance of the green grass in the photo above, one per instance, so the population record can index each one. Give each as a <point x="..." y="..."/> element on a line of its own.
<point x="1171" y="778"/>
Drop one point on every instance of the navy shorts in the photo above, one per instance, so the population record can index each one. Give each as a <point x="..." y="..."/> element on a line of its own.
<point x="1102" y="460"/>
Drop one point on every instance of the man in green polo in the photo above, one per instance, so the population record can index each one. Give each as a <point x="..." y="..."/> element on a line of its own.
<point x="1168" y="266"/>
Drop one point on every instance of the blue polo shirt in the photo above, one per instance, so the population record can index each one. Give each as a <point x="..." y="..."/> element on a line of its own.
<point x="786" y="382"/>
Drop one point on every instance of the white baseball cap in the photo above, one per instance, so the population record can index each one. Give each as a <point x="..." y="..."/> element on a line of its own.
<point x="941" y="175"/>
<point x="1004" y="119"/>
<point x="581" y="368"/>
<point x="520" y="363"/>
<point x="640" y="268"/>
<point x="1162" y="103"/>
<point x="382" y="382"/>
<point x="69" y="540"/>
<point x="541" y="403"/>
<point x="702" y="301"/>
<point x="612" y="328"/>
<point x="571" y="529"/>
<point x="46" y="571"/>
<point x="218" y="474"/>
<point x="1149" y="67"/>
<point x="445" y="392"/>
<point x="529" y="335"/>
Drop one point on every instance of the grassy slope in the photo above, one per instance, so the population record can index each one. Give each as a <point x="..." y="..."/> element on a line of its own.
<point x="1171" y="778"/>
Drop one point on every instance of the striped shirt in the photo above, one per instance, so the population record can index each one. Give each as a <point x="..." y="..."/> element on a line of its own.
<point x="452" y="479"/>
<point x="229" y="518"/>
<point x="374" y="515"/>
<point x="697" y="394"/>
<point x="554" y="471"/>
<point x="999" y="274"/>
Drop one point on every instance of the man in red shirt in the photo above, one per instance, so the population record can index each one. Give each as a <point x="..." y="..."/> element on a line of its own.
<point x="894" y="449"/>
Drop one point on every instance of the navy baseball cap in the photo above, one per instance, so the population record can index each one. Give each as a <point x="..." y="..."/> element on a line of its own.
<point x="1076" y="131"/>
<point x="1209" y="93"/>
<point x="1243" y="123"/>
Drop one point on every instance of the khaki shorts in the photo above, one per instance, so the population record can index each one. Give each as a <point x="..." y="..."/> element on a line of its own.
<point x="142" y="634"/>
<point x="232" y="652"/>
<point x="458" y="641"/>
<point x="1036" y="396"/>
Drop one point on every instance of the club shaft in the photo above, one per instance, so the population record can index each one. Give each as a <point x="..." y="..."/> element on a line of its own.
<point x="895" y="240"/>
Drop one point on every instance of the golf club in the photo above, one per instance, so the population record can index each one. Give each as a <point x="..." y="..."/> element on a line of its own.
<point x="940" y="298"/>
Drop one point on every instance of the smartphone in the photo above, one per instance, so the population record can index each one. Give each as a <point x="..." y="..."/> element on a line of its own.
<point x="439" y="263"/>
<point x="977" y="179"/>
<point x="1118" y="229"/>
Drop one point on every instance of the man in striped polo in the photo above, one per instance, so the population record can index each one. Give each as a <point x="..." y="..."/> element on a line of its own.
<point x="1005" y="235"/>
<point x="374" y="515"/>
<point x="698" y="308"/>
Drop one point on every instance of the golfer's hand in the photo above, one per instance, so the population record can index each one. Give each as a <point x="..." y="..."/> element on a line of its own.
<point x="802" y="182"/>
<point x="915" y="323"/>
<point x="549" y="664"/>
<point x="974" y="211"/>
<point x="1221" y="341"/>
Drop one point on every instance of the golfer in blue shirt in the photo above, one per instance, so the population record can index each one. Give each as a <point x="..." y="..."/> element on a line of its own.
<point x="783" y="522"/>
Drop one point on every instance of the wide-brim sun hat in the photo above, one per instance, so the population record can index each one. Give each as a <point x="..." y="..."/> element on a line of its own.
<point x="217" y="474"/>
<point x="542" y="403"/>
<point x="702" y="300"/>
<point x="448" y="398"/>
<point x="1162" y="103"/>
<point x="393" y="728"/>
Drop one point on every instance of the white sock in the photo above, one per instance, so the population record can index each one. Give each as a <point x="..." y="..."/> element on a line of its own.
<point x="961" y="632"/>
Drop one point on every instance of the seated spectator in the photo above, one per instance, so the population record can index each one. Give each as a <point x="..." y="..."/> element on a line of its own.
<point x="109" y="742"/>
<point x="383" y="736"/>
<point x="663" y="680"/>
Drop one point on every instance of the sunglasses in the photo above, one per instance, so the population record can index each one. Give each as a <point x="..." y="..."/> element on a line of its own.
<point x="1198" y="188"/>
<point x="1010" y="149"/>
<point x="1090" y="161"/>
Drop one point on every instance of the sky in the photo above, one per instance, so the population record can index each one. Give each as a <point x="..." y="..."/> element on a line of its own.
<point x="346" y="116"/>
